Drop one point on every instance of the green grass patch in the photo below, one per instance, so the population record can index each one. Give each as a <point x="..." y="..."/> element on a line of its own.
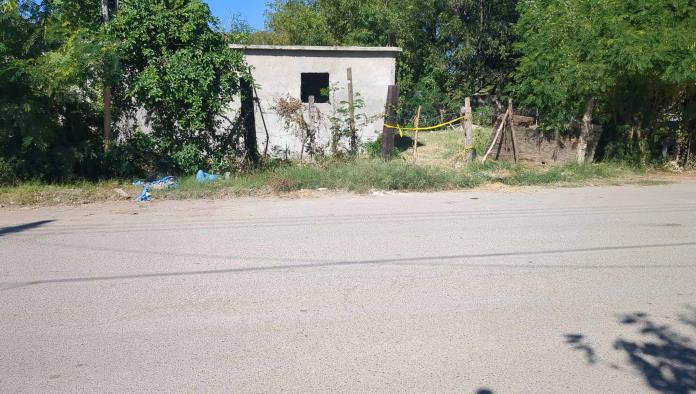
<point x="357" y="176"/>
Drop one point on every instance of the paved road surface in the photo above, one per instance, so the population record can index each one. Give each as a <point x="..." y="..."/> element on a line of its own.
<point x="567" y="290"/>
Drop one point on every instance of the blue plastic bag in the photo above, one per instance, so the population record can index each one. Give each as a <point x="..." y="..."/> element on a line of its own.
<point x="203" y="177"/>
<point x="145" y="195"/>
<point x="168" y="182"/>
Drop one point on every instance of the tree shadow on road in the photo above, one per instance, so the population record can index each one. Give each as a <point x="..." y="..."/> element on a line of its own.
<point x="665" y="358"/>
<point x="23" y="227"/>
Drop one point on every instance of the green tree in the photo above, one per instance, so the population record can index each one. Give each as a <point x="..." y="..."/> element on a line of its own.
<point x="50" y="52"/>
<point x="177" y="65"/>
<point x="298" y="22"/>
<point x="452" y="48"/>
<point x="627" y="64"/>
<point x="165" y="56"/>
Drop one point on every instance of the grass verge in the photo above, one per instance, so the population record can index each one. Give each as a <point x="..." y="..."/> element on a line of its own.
<point x="358" y="176"/>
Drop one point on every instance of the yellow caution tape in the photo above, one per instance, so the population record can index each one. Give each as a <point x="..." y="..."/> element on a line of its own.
<point x="439" y="126"/>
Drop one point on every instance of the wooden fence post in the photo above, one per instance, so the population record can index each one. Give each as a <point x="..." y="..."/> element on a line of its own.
<point x="511" y="119"/>
<point x="388" y="132"/>
<point x="351" y="114"/>
<point x="468" y="126"/>
<point x="263" y="119"/>
<point x="249" y="120"/>
<point x="310" y="125"/>
<point x="416" y="123"/>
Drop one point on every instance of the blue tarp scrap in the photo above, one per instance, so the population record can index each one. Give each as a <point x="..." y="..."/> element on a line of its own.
<point x="202" y="177"/>
<point x="145" y="195"/>
<point x="168" y="182"/>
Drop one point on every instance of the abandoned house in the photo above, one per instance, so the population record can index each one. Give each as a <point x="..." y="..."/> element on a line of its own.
<point x="298" y="74"/>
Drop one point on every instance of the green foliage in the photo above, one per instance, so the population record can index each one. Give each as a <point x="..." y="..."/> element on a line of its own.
<point x="452" y="48"/>
<point x="7" y="176"/>
<point x="135" y="157"/>
<point x="340" y="119"/>
<point x="189" y="159"/>
<point x="374" y="148"/>
<point x="47" y="103"/>
<point x="483" y="115"/>
<point x="240" y="31"/>
<point x="166" y="57"/>
<point x="482" y="139"/>
<point x="178" y="67"/>
<point x="356" y="175"/>
<point x="636" y="59"/>
<point x="298" y="22"/>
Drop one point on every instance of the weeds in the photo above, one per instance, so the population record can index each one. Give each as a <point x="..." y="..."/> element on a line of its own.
<point x="358" y="176"/>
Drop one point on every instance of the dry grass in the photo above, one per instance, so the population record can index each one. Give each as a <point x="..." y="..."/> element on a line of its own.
<point x="440" y="166"/>
<point x="442" y="148"/>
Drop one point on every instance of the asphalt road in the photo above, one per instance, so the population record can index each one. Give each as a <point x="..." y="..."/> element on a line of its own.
<point x="554" y="290"/>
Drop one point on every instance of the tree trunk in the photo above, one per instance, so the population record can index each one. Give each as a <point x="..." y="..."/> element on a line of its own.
<point x="585" y="131"/>
<point x="107" y="116"/>
<point x="107" y="87"/>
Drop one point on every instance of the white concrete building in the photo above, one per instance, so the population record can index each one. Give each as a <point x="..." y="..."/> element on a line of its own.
<point x="301" y="71"/>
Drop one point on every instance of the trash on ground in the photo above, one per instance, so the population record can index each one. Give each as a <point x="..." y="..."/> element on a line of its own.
<point x="145" y="195"/>
<point x="168" y="182"/>
<point x="203" y="177"/>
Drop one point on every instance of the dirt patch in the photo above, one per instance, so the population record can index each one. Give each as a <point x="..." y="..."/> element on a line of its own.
<point x="503" y="188"/>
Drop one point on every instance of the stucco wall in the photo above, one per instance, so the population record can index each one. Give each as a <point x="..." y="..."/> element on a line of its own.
<point x="277" y="73"/>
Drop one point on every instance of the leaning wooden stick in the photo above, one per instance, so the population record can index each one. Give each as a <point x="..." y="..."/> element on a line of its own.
<point x="495" y="138"/>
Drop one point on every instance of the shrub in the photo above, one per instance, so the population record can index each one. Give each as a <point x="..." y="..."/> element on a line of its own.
<point x="483" y="115"/>
<point x="189" y="159"/>
<point x="482" y="138"/>
<point x="134" y="157"/>
<point x="374" y="148"/>
<point x="7" y="174"/>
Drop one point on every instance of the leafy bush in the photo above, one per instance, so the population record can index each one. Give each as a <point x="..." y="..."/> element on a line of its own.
<point x="374" y="148"/>
<point x="134" y="157"/>
<point x="482" y="138"/>
<point x="483" y="115"/>
<point x="7" y="175"/>
<point x="189" y="159"/>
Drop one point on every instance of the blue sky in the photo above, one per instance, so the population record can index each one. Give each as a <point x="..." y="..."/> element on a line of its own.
<point x="250" y="10"/>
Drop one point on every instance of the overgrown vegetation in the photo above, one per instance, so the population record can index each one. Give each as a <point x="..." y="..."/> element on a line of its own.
<point x="630" y="65"/>
<point x="452" y="48"/>
<point x="358" y="176"/>
<point x="166" y="58"/>
<point x="627" y="65"/>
